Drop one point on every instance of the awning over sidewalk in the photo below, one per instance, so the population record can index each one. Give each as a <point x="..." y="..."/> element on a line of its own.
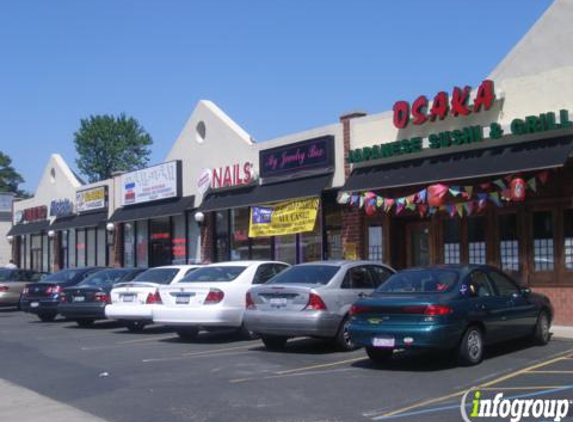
<point x="154" y="209"/>
<point x="530" y="156"/>
<point x="29" y="228"/>
<point x="78" y="221"/>
<point x="265" y="194"/>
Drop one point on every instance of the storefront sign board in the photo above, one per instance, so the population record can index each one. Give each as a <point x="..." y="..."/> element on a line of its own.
<point x="151" y="184"/>
<point x="61" y="208"/>
<point x="91" y="199"/>
<point x="298" y="216"/>
<point x="34" y="214"/>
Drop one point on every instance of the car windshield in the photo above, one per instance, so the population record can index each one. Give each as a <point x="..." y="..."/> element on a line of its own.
<point x="306" y="274"/>
<point x="424" y="281"/>
<point x="218" y="273"/>
<point x="62" y="276"/>
<point x="104" y="278"/>
<point x="158" y="275"/>
<point x="6" y="275"/>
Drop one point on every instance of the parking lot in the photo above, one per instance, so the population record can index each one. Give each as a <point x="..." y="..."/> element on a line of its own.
<point x="153" y="376"/>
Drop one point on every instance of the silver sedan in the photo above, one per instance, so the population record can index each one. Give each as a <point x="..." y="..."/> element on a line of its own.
<point x="311" y="300"/>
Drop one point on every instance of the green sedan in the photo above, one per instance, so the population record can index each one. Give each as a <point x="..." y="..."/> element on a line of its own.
<point x="449" y="307"/>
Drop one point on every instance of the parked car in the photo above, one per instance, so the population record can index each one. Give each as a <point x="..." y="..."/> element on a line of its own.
<point x="311" y="300"/>
<point x="87" y="301"/>
<point x="12" y="283"/>
<point x="452" y="307"/>
<point x="42" y="298"/>
<point x="212" y="297"/>
<point x="132" y="302"/>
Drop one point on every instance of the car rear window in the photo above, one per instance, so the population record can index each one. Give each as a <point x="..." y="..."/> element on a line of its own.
<point x="62" y="276"/>
<point x="218" y="273"/>
<point x="104" y="278"/>
<point x="426" y="281"/>
<point x="306" y="274"/>
<point x="158" y="275"/>
<point x="6" y="275"/>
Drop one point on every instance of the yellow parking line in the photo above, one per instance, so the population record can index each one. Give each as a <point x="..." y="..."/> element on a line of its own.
<point x="324" y="365"/>
<point x="536" y="387"/>
<point x="221" y="349"/>
<point x="484" y="385"/>
<point x="549" y="372"/>
<point x="142" y="340"/>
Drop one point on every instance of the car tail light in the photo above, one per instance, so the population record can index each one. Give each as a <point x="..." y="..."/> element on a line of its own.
<point x="63" y="298"/>
<point x="214" y="296"/>
<point x="52" y="290"/>
<point x="360" y="309"/>
<point x="250" y="301"/>
<point x="428" y="310"/>
<point x="154" y="298"/>
<point x="4" y="288"/>
<point x="102" y="297"/>
<point x="315" y="303"/>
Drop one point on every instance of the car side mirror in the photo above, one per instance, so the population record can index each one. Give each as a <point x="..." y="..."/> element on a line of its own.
<point x="525" y="291"/>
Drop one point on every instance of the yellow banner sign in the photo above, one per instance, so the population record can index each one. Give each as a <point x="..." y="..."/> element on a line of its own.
<point x="285" y="218"/>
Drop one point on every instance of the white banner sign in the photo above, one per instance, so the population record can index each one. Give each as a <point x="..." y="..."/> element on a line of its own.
<point x="91" y="199"/>
<point x="150" y="184"/>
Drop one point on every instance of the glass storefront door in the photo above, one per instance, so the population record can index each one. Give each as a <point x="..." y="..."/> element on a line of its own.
<point x="160" y="246"/>
<point x="418" y="244"/>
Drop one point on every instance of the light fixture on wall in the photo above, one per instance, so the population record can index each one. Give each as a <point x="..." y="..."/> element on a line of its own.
<point x="10" y="238"/>
<point x="110" y="226"/>
<point x="199" y="217"/>
<point x="51" y="233"/>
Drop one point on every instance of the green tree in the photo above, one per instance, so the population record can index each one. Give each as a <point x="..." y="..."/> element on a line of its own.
<point x="106" y="144"/>
<point x="9" y="177"/>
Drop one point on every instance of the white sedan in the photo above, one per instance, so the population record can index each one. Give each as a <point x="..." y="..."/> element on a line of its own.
<point x="132" y="302"/>
<point x="213" y="296"/>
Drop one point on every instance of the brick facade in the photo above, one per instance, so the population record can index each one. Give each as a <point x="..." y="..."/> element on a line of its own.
<point x="16" y="243"/>
<point x="57" y="258"/>
<point x="207" y="235"/>
<point x="562" y="300"/>
<point x="116" y="258"/>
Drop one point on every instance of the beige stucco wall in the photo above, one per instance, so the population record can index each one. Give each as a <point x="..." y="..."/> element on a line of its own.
<point x="5" y="246"/>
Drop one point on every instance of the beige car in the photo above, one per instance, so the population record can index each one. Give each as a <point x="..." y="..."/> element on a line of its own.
<point x="12" y="282"/>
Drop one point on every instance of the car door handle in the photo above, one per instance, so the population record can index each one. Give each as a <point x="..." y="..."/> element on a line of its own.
<point x="361" y="295"/>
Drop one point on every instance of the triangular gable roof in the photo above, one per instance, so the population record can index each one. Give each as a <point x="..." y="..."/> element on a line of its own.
<point x="57" y="173"/>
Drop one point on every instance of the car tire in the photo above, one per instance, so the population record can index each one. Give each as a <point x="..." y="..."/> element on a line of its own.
<point x="84" y="323"/>
<point x="342" y="340"/>
<point x="274" y="342"/>
<point x="187" y="334"/>
<point x="135" y="326"/>
<point x="246" y="334"/>
<point x="471" y="347"/>
<point x="47" y="317"/>
<point x="541" y="333"/>
<point x="379" y="355"/>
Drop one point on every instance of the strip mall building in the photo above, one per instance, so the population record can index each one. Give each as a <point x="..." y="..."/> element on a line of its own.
<point x="476" y="174"/>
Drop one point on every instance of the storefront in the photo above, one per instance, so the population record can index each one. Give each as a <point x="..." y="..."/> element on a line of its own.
<point x="30" y="233"/>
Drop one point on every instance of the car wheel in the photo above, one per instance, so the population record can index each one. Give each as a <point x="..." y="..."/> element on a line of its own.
<point x="84" y="323"/>
<point x="187" y="333"/>
<point x="470" y="350"/>
<point x="47" y="317"/>
<point x="135" y="326"/>
<point x="342" y="339"/>
<point x="274" y="342"/>
<point x="379" y="355"/>
<point x="541" y="334"/>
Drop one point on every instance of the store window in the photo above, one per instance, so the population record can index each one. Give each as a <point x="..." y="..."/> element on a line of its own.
<point x="543" y="241"/>
<point x="375" y="244"/>
<point x="64" y="256"/>
<point x="311" y="245"/>
<point x="193" y="240"/>
<point x="101" y="246"/>
<point x="50" y="261"/>
<point x="23" y="250"/>
<point x="141" y="244"/>
<point x="45" y="254"/>
<point x="568" y="238"/>
<point x="36" y="252"/>
<point x="476" y="240"/>
<point x="285" y="248"/>
<point x="261" y="248"/>
<point x="508" y="242"/>
<point x="240" y="234"/>
<point x="129" y="245"/>
<point x="72" y="247"/>
<point x="81" y="247"/>
<point x="91" y="247"/>
<point x="222" y="236"/>
<point x="332" y="228"/>
<point x="452" y="241"/>
<point x="179" y="242"/>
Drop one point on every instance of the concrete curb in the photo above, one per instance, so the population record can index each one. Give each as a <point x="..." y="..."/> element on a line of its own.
<point x="23" y="405"/>
<point x="562" y="331"/>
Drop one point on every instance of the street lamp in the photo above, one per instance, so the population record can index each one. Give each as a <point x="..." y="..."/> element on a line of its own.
<point x="199" y="217"/>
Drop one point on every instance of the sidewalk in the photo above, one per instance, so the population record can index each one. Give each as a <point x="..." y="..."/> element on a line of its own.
<point x="23" y="405"/>
<point x="562" y="331"/>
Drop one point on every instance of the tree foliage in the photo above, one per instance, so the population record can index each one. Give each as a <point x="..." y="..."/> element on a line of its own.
<point x="10" y="179"/>
<point x="106" y="144"/>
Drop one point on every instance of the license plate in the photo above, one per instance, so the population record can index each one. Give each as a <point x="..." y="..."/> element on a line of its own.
<point x="128" y="298"/>
<point x="383" y="342"/>
<point x="34" y="304"/>
<point x="278" y="301"/>
<point x="79" y="299"/>
<point x="182" y="300"/>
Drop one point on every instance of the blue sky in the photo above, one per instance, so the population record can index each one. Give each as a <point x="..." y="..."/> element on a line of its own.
<point x="275" y="67"/>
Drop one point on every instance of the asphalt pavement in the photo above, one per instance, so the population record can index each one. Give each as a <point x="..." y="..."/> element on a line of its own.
<point x="112" y="374"/>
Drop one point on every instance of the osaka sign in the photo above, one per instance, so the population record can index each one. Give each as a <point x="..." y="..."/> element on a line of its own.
<point x="457" y="105"/>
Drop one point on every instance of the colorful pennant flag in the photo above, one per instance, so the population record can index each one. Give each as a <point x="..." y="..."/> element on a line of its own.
<point x="460" y="210"/>
<point x="494" y="197"/>
<point x="500" y="183"/>
<point x="543" y="176"/>
<point x="532" y="183"/>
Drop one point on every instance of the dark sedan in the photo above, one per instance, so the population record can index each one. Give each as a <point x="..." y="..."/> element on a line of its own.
<point x="42" y="298"/>
<point x="86" y="302"/>
<point x="451" y="307"/>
